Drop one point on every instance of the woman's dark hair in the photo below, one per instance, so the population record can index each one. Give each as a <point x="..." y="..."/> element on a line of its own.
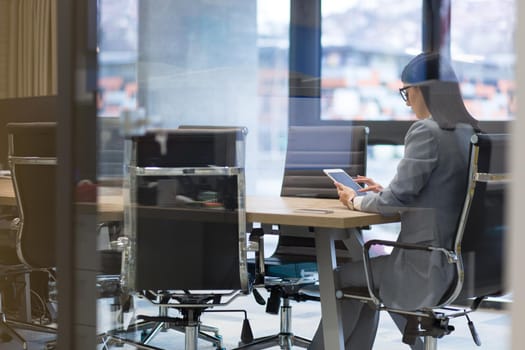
<point x="439" y="86"/>
<point x="428" y="66"/>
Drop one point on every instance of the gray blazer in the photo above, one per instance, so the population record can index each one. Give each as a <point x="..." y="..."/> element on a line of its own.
<point x="428" y="191"/>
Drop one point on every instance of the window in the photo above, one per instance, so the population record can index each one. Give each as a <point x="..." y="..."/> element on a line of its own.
<point x="168" y="62"/>
<point x="482" y="47"/>
<point x="365" y="44"/>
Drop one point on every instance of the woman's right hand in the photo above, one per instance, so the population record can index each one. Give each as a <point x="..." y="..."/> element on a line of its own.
<point x="371" y="185"/>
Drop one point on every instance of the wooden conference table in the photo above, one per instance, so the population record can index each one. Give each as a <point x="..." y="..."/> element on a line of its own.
<point x="330" y="220"/>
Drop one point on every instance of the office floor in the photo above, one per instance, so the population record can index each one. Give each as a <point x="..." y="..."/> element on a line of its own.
<point x="493" y="327"/>
<point x="35" y="341"/>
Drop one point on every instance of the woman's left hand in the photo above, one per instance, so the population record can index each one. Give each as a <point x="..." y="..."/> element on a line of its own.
<point x="346" y="194"/>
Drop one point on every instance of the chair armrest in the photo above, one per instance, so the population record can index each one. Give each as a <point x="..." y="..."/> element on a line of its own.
<point x="7" y="217"/>
<point x="396" y="244"/>
<point x="450" y="255"/>
<point x="114" y="236"/>
<point x="113" y="226"/>
<point x="15" y="223"/>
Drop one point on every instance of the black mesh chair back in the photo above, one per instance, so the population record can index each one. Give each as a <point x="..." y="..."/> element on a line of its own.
<point x="313" y="148"/>
<point x="187" y="214"/>
<point x="482" y="226"/>
<point x="32" y="159"/>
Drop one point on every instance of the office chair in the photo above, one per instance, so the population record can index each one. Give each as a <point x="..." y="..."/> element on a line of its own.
<point x="477" y="253"/>
<point x="208" y="332"/>
<point x="292" y="267"/>
<point x="186" y="228"/>
<point x="32" y="161"/>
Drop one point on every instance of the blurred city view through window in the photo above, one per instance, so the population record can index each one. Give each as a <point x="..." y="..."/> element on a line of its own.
<point x="118" y="44"/>
<point x="365" y="44"/>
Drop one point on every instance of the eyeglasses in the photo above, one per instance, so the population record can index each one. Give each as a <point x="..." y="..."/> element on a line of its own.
<point x="404" y="93"/>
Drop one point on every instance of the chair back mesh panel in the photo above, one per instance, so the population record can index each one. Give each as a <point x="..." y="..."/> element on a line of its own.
<point x="188" y="210"/>
<point x="482" y="247"/>
<point x="35" y="182"/>
<point x="310" y="150"/>
<point x="313" y="148"/>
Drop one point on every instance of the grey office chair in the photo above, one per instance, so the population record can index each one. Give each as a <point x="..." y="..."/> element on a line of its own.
<point x="186" y="230"/>
<point x="312" y="148"/>
<point x="32" y="161"/>
<point x="293" y="265"/>
<point x="477" y="253"/>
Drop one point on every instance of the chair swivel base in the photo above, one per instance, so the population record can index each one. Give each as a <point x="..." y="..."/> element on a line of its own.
<point x="149" y="329"/>
<point x="285" y="339"/>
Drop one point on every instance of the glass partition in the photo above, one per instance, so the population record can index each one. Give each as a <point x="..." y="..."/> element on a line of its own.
<point x="167" y="63"/>
<point x="228" y="65"/>
<point x="224" y="63"/>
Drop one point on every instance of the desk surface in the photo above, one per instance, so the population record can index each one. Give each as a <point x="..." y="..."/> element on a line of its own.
<point x="315" y="212"/>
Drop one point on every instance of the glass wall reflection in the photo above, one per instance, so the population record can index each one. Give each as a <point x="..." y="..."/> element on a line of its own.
<point x="167" y="63"/>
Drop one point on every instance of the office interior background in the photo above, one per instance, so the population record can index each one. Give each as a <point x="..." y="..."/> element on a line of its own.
<point x="120" y="67"/>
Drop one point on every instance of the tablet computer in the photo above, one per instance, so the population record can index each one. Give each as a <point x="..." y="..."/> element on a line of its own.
<point x="342" y="177"/>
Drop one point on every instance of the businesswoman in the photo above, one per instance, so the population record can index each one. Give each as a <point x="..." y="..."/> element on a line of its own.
<point x="427" y="191"/>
